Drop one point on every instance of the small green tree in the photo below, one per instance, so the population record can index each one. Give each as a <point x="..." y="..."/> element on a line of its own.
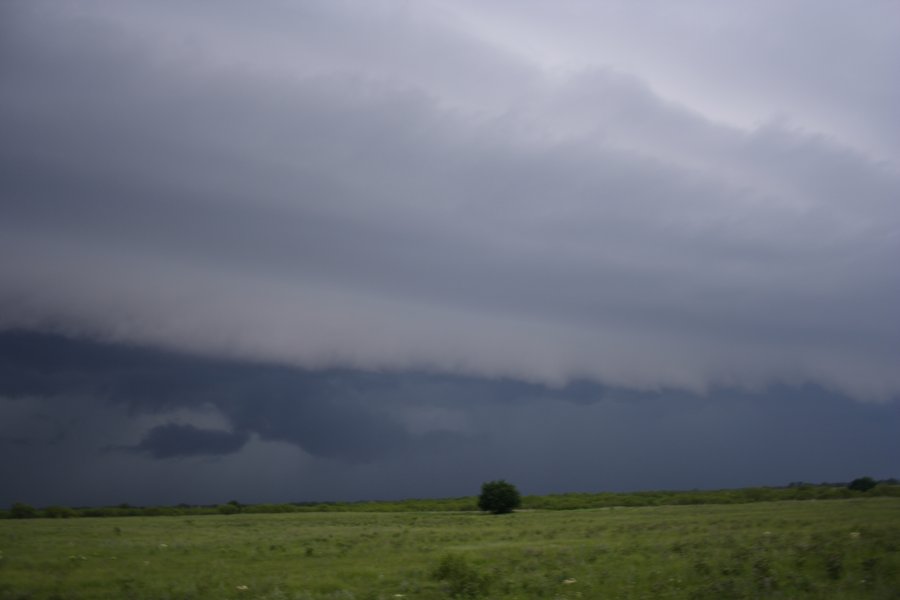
<point x="499" y="497"/>
<point x="862" y="484"/>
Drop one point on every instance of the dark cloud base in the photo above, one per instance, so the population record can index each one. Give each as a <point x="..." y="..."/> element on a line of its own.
<point x="174" y="440"/>
<point x="92" y="422"/>
<point x="325" y="412"/>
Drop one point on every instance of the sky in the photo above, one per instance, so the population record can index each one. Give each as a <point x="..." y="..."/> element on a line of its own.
<point x="331" y="250"/>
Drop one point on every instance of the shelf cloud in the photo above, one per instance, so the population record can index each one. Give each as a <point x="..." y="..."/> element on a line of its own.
<point x="391" y="186"/>
<point x="656" y="200"/>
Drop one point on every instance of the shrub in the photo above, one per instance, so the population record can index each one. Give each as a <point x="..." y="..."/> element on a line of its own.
<point x="862" y="484"/>
<point x="20" y="510"/>
<point x="59" y="512"/>
<point x="499" y="497"/>
<point x="462" y="580"/>
<point x="229" y="509"/>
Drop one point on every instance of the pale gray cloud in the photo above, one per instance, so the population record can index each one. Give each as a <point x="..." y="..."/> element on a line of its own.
<point x="826" y="66"/>
<point x="401" y="186"/>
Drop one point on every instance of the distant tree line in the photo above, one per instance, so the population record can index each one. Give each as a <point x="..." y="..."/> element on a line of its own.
<point x="861" y="487"/>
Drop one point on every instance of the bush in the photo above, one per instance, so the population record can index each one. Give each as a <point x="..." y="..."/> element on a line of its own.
<point x="229" y="509"/>
<point x="20" y="510"/>
<point x="862" y="484"/>
<point x="59" y="512"/>
<point x="461" y="579"/>
<point x="499" y="497"/>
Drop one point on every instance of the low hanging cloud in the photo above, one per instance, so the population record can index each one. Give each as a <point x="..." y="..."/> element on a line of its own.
<point x="410" y="187"/>
<point x="175" y="441"/>
<point x="90" y="423"/>
<point x="183" y="406"/>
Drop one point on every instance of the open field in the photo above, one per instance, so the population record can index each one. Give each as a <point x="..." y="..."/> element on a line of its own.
<point x="817" y="549"/>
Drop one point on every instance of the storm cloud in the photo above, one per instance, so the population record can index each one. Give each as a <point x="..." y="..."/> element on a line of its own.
<point x="218" y="404"/>
<point x="327" y="185"/>
<point x="174" y="440"/>
<point x="141" y="425"/>
<point x="287" y="210"/>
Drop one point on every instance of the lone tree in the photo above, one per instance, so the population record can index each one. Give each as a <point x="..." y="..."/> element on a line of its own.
<point x="862" y="484"/>
<point x="499" y="497"/>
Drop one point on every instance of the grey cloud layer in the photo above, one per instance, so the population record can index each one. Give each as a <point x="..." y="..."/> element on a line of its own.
<point x="826" y="65"/>
<point x="326" y="185"/>
<point x="83" y="422"/>
<point x="216" y="404"/>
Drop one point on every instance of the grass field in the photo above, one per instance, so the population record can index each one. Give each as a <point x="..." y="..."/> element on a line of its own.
<point x="813" y="549"/>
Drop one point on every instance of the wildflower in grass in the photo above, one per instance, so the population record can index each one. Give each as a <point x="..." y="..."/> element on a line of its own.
<point x="243" y="588"/>
<point x="568" y="581"/>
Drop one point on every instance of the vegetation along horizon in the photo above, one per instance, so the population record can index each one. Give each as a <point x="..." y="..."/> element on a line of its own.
<point x="846" y="547"/>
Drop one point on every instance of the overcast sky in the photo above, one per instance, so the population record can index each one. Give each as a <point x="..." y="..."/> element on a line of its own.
<point x="330" y="249"/>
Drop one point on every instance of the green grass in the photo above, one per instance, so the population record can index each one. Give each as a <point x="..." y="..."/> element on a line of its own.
<point x="834" y="549"/>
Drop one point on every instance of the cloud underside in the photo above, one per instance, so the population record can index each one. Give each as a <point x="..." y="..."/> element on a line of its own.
<point x="175" y="440"/>
<point x="333" y="199"/>
<point x="88" y="423"/>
